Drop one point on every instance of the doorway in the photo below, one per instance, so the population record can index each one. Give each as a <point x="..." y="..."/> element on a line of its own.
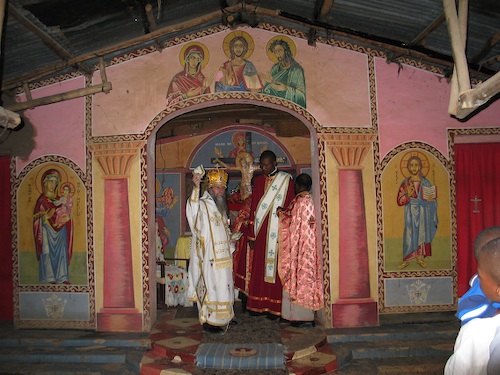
<point x="187" y="132"/>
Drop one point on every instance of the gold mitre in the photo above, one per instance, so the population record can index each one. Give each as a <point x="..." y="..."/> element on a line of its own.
<point x="217" y="177"/>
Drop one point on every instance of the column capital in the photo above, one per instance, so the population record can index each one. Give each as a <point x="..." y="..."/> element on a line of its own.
<point x="116" y="158"/>
<point x="349" y="150"/>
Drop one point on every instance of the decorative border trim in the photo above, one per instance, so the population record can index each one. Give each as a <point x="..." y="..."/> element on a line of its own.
<point x="89" y="288"/>
<point x="382" y="274"/>
<point x="222" y="98"/>
<point x="262" y="26"/>
<point x="146" y="272"/>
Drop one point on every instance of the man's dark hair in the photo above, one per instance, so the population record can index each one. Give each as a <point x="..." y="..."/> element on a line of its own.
<point x="304" y="180"/>
<point x="490" y="255"/>
<point x="285" y="45"/>
<point x="485" y="236"/>
<point x="268" y="154"/>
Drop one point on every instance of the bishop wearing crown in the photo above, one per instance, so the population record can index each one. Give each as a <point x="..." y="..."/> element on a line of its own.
<point x="211" y="266"/>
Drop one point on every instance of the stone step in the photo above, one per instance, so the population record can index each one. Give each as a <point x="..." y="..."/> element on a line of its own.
<point x="78" y="342"/>
<point x="15" y="368"/>
<point x="394" y="366"/>
<point x="416" y="348"/>
<point x="71" y="360"/>
<point x="394" y="349"/>
<point x="62" y="352"/>
<point x="395" y="332"/>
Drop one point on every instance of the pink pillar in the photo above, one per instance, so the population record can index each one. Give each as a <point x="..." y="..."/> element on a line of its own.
<point x="354" y="307"/>
<point x="353" y="257"/>
<point x="119" y="312"/>
<point x="118" y="277"/>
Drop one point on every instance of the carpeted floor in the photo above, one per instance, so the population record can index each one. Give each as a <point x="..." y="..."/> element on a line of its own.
<point x="245" y="329"/>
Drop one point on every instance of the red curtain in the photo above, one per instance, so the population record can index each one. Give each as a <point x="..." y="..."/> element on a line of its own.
<point x="6" y="287"/>
<point x="477" y="175"/>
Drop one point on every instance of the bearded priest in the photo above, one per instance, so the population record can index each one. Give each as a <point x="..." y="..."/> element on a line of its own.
<point x="211" y="265"/>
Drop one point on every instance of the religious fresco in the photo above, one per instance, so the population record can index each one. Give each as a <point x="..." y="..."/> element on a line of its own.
<point x="190" y="81"/>
<point x="284" y="79"/>
<point x="416" y="196"/>
<point x="330" y="69"/>
<point x="52" y="248"/>
<point x="417" y="254"/>
<point x="238" y="152"/>
<point x="223" y="150"/>
<point x="167" y="211"/>
<point x="238" y="73"/>
<point x="52" y="227"/>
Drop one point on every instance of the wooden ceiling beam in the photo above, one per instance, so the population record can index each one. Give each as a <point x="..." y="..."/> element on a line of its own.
<point x="8" y="119"/>
<point x="472" y="99"/>
<point x="326" y="7"/>
<point x="152" y="24"/>
<point x="492" y="41"/>
<point x="46" y="38"/>
<point x="30" y="103"/>
<point x="491" y="61"/>
<point x="40" y="73"/>
<point x="463" y="99"/>
<point x="418" y="39"/>
<point x="429" y="29"/>
<point x="16" y="107"/>
<point x="457" y="29"/>
<point x="164" y="31"/>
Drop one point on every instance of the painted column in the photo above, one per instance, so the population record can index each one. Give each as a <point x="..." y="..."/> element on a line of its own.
<point x="119" y="312"/>
<point x="354" y="307"/>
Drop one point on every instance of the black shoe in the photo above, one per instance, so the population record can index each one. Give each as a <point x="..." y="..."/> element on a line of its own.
<point x="302" y="324"/>
<point x="254" y="313"/>
<point x="212" y="329"/>
<point x="244" y="299"/>
<point x="272" y="317"/>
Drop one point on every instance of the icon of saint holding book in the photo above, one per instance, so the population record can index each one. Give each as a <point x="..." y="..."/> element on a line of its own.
<point x="418" y="196"/>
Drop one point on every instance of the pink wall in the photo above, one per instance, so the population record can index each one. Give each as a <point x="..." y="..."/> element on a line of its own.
<point x="337" y="86"/>
<point x="413" y="106"/>
<point x="59" y="127"/>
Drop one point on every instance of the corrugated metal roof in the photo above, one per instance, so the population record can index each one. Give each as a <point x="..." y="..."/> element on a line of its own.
<point x="78" y="29"/>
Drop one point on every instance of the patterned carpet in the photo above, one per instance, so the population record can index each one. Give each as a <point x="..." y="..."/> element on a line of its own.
<point x="244" y="329"/>
<point x="177" y="335"/>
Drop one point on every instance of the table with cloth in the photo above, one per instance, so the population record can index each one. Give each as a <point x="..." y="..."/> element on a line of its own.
<point x="175" y="281"/>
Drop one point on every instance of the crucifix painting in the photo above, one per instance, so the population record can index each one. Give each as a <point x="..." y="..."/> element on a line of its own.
<point x="241" y="159"/>
<point x="238" y="150"/>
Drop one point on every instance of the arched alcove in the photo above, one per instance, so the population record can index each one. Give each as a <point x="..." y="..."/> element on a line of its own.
<point x="198" y="120"/>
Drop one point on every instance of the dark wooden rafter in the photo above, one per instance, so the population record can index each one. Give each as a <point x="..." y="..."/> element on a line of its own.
<point x="420" y="37"/>
<point x="161" y="32"/>
<point x="487" y="48"/>
<point x="322" y="7"/>
<point x="429" y="29"/>
<point x="45" y="37"/>
<point x="152" y="25"/>
<point x="491" y="61"/>
<point x="320" y="10"/>
<point x="326" y="7"/>
<point x="40" y="73"/>
<point x="8" y="119"/>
